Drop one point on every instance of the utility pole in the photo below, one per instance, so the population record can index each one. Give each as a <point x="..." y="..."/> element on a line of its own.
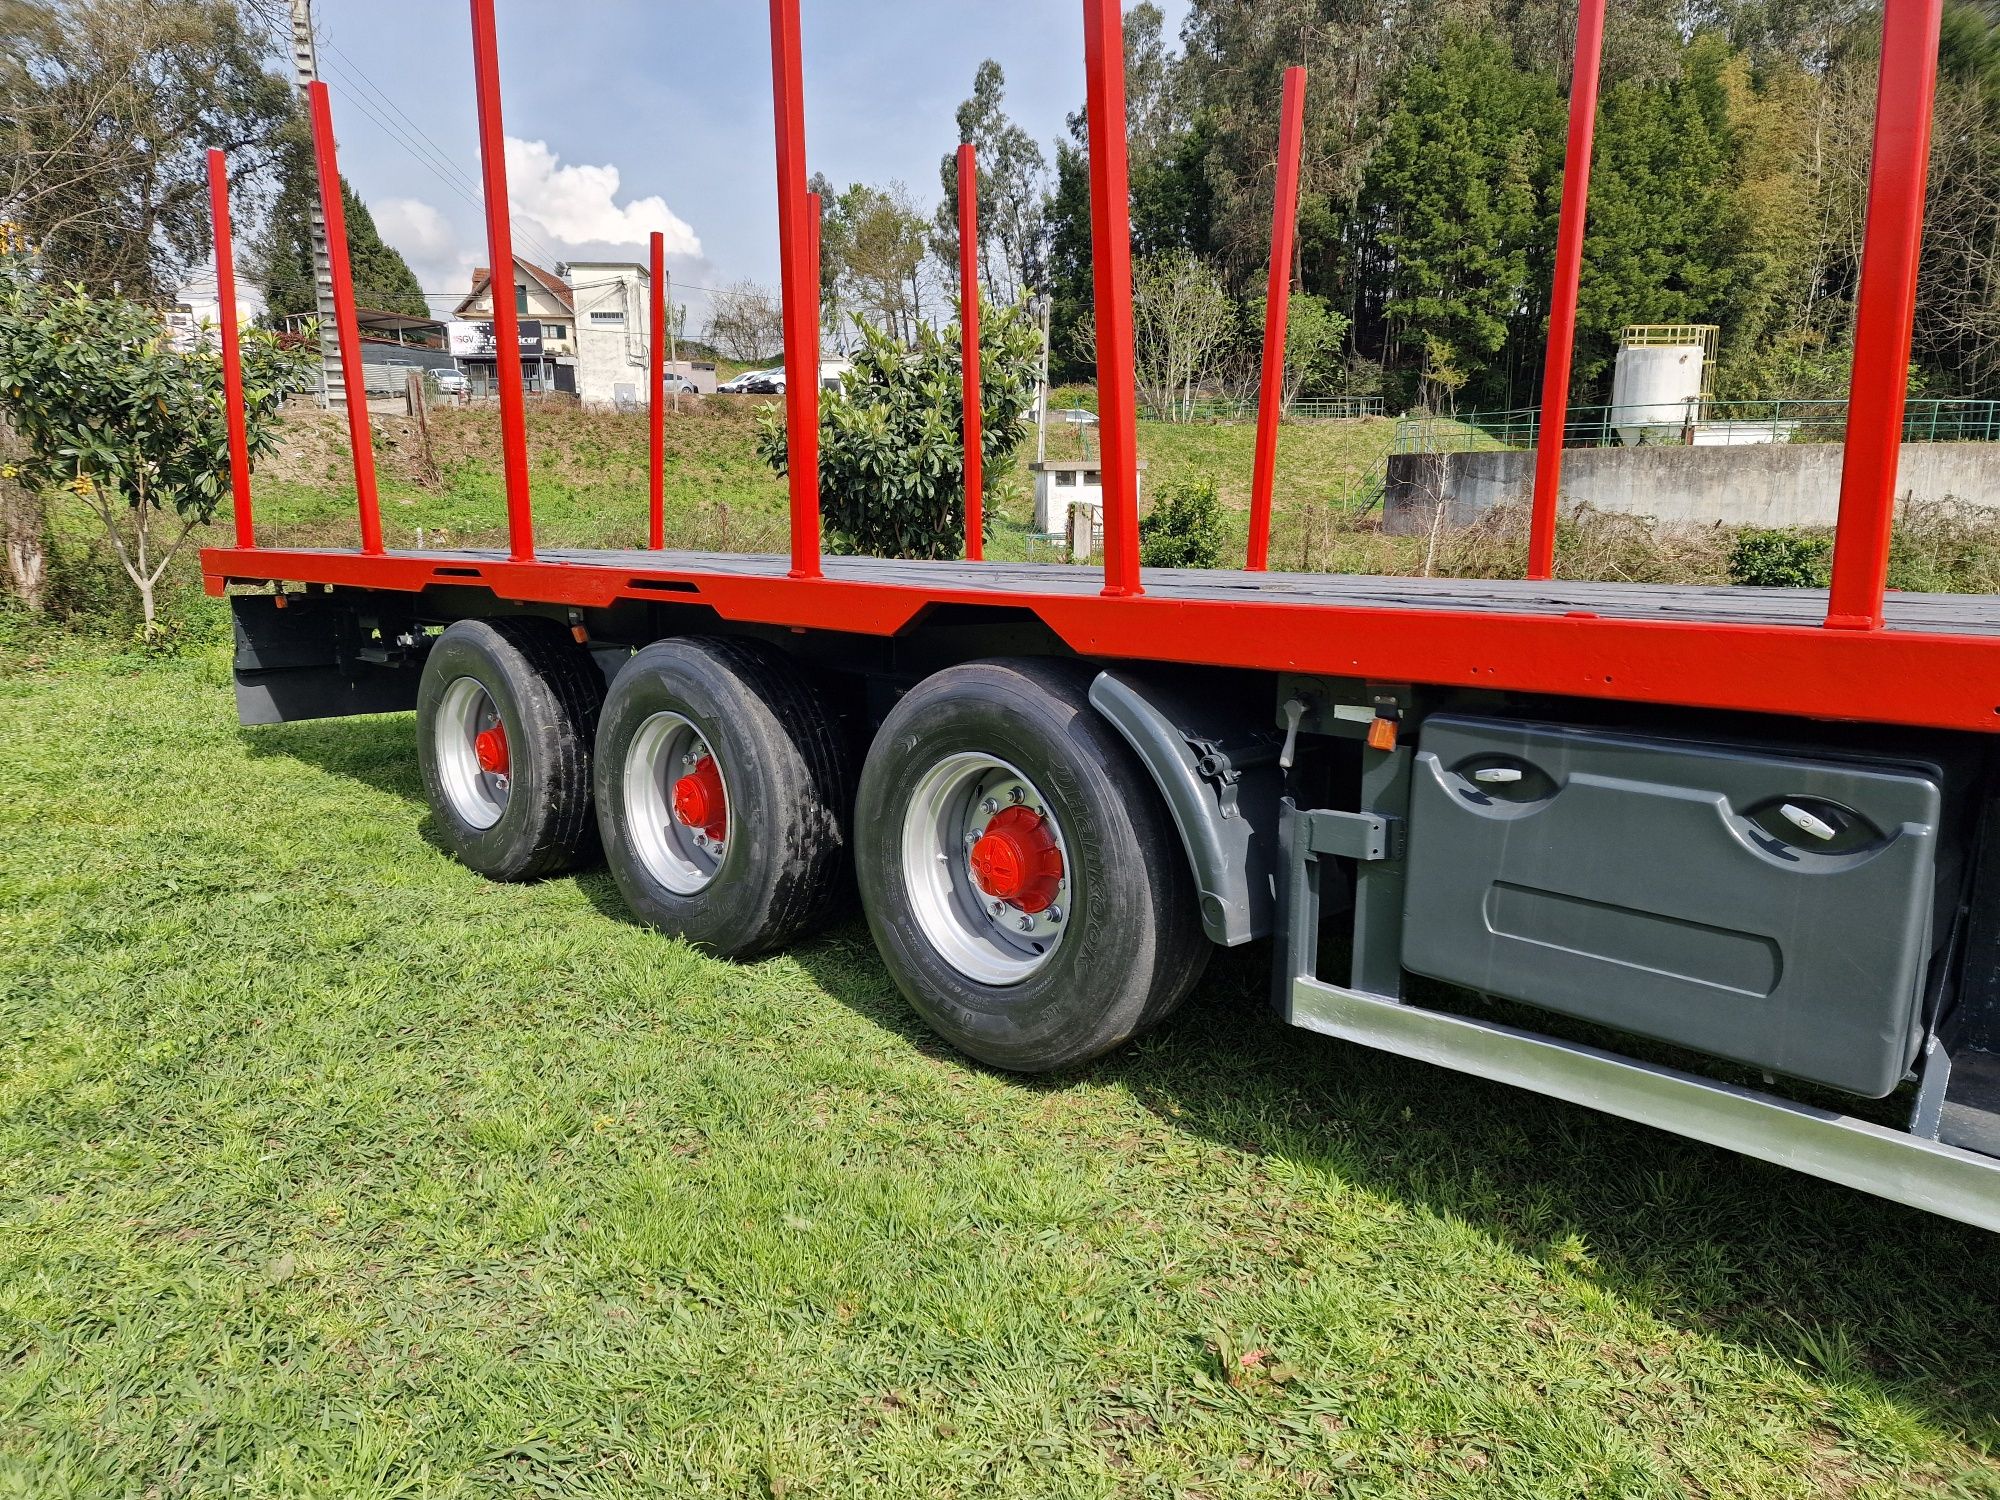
<point x="673" y="358"/>
<point x="1042" y="305"/>
<point x="305" y="66"/>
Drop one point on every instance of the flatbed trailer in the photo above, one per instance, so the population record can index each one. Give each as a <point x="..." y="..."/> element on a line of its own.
<point x="1732" y="851"/>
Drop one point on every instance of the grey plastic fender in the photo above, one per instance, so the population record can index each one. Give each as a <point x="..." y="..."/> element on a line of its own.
<point x="1220" y="778"/>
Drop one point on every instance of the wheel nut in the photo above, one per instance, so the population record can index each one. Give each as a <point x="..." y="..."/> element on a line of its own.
<point x="1016" y="794"/>
<point x="998" y="907"/>
<point x="1027" y="924"/>
<point x="989" y="807"/>
<point x="1055" y="914"/>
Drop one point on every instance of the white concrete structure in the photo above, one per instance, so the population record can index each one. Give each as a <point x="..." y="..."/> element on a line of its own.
<point x="612" y="309"/>
<point x="1067" y="491"/>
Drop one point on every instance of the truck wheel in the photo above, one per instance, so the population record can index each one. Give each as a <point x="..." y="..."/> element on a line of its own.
<point x="722" y="787"/>
<point x="505" y="716"/>
<point x="1020" y="873"/>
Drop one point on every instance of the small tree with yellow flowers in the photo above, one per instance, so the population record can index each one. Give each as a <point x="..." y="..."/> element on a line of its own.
<point x="108" y="411"/>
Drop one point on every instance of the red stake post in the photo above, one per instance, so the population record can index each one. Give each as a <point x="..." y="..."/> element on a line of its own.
<point x="232" y="348"/>
<point x="500" y="284"/>
<point x="1562" y="299"/>
<point x="1111" y="262"/>
<point x="1885" y="312"/>
<point x="333" y="210"/>
<point x="968" y="350"/>
<point x="656" y="530"/>
<point x="1277" y="306"/>
<point x="799" y="288"/>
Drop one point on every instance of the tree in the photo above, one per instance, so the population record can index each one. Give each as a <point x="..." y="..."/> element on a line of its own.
<point x="106" y="107"/>
<point x="1315" y="335"/>
<point x="1011" y="173"/>
<point x="105" y="407"/>
<point x="1183" y="325"/>
<point x="283" y="258"/>
<point x="891" y="438"/>
<point x="746" y="322"/>
<point x="873" y="251"/>
<point x="1455" y="201"/>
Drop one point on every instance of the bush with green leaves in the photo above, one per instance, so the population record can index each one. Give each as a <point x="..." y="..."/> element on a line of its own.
<point x="1780" y="560"/>
<point x="1185" y="527"/>
<point x="891" y="439"/>
<point x="106" y="409"/>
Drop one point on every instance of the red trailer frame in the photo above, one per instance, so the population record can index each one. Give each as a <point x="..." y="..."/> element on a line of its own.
<point x="1711" y="649"/>
<point x="1352" y="661"/>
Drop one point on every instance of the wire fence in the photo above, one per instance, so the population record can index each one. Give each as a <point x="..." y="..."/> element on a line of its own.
<point x="1244" y="409"/>
<point x="1700" y="424"/>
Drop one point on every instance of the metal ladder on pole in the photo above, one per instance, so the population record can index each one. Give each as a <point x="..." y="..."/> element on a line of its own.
<point x="305" y="65"/>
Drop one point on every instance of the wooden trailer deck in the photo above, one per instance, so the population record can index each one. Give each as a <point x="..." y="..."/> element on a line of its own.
<point x="1936" y="660"/>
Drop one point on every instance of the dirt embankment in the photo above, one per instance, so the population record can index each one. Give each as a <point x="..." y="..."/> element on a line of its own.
<point x="565" y="442"/>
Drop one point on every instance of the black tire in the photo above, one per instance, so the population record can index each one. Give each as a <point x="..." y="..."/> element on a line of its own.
<point x="783" y="869"/>
<point x="547" y="691"/>
<point x="1132" y="945"/>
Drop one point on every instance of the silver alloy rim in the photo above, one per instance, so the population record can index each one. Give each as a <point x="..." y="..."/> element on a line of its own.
<point x="683" y="859"/>
<point x="478" y="797"/>
<point x="989" y="941"/>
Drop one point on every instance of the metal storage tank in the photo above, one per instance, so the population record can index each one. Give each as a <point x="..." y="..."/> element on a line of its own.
<point x="1661" y="380"/>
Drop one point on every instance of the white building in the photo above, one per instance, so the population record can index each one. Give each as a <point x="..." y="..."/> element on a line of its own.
<point x="547" y="325"/>
<point x="613" y="332"/>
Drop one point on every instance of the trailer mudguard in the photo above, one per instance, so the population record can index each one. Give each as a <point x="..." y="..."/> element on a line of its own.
<point x="312" y="656"/>
<point x="1217" y="768"/>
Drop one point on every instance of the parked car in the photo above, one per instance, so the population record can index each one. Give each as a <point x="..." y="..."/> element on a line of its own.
<point x="679" y="384"/>
<point x="450" y="382"/>
<point x="743" y="384"/>
<point x="1075" y="416"/>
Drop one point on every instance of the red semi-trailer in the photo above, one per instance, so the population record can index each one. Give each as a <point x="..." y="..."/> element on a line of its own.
<point x="1755" y="826"/>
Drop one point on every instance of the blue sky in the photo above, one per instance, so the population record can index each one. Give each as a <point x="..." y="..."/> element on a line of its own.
<point x="626" y="116"/>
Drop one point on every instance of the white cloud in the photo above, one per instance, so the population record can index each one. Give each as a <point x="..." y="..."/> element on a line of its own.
<point x="578" y="205"/>
<point x="429" y="243"/>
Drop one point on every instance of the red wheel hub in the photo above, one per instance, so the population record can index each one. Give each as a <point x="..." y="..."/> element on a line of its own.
<point x="699" y="800"/>
<point x="1016" y="860"/>
<point x="490" y="745"/>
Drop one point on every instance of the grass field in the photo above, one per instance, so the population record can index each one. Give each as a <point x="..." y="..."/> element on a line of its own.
<point x="329" y="1169"/>
<point x="589" y="471"/>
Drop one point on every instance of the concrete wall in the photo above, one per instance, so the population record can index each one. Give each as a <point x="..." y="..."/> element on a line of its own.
<point x="1773" y="484"/>
<point x="611" y="330"/>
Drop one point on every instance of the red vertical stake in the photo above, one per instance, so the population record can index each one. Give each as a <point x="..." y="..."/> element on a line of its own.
<point x="359" y="441"/>
<point x="799" y="287"/>
<point x="1111" y="267"/>
<point x="968" y="350"/>
<point x="232" y="349"/>
<point x="1277" y="305"/>
<point x="500" y="251"/>
<point x="1562" y="299"/>
<point x="1885" y="312"/>
<point x="656" y="399"/>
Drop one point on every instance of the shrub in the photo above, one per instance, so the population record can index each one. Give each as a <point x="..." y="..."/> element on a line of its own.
<point x="1780" y="560"/>
<point x="1184" y="529"/>
<point x="891" y="443"/>
<point x="133" y="428"/>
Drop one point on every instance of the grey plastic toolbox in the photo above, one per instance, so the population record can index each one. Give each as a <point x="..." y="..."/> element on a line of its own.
<point x="1760" y="906"/>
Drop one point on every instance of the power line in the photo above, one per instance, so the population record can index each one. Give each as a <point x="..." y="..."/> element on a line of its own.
<point x="439" y="166"/>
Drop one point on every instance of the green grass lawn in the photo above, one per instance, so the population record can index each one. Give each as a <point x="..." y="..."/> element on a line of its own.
<point x="589" y="474"/>
<point x="331" y="1169"/>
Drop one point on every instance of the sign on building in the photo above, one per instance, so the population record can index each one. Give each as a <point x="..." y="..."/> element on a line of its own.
<point x="475" y="340"/>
